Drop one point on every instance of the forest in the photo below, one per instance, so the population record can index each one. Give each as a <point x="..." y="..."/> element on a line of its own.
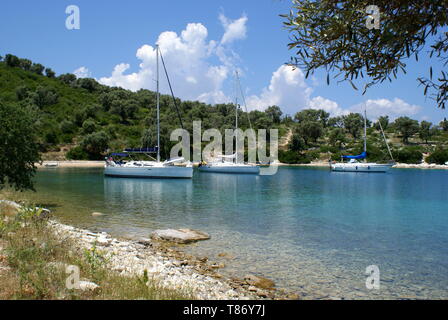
<point x="79" y="118"/>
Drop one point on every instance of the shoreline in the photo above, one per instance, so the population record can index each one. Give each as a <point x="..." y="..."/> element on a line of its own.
<point x="173" y="268"/>
<point x="100" y="164"/>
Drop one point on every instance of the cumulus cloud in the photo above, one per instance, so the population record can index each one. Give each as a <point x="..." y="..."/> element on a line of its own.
<point x="289" y="90"/>
<point x="198" y="68"/>
<point x="393" y="108"/>
<point x="82" y="72"/>
<point x="328" y="105"/>
<point x="187" y="56"/>
<point x="233" y="29"/>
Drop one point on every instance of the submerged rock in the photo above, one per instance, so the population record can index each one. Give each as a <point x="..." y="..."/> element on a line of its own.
<point x="179" y="235"/>
<point x="259" y="282"/>
<point x="97" y="214"/>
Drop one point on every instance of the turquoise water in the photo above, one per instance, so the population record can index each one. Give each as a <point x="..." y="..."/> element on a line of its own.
<point x="310" y="230"/>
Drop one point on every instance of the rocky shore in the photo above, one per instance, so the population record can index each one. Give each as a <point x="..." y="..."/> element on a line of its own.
<point x="171" y="268"/>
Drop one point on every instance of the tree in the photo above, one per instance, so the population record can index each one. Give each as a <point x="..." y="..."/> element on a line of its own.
<point x="67" y="78"/>
<point x="310" y="130"/>
<point x="407" y="127"/>
<point x="18" y="146"/>
<point x="337" y="137"/>
<point x="49" y="73"/>
<point x="315" y="115"/>
<point x="353" y="123"/>
<point x="444" y="125"/>
<point x="337" y="122"/>
<point x="12" y="60"/>
<point x="25" y="64"/>
<point x="333" y="35"/>
<point x="95" y="144"/>
<point x="275" y="113"/>
<point x="384" y="123"/>
<point x="425" y="131"/>
<point x="88" y="84"/>
<point x="44" y="96"/>
<point x="297" y="143"/>
<point x="37" y="68"/>
<point x="439" y="156"/>
<point x="88" y="126"/>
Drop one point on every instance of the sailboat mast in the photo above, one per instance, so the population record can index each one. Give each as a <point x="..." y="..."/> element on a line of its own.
<point x="365" y="130"/>
<point x="236" y="118"/>
<point x="158" y="107"/>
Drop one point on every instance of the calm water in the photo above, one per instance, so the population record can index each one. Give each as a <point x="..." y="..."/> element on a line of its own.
<point x="310" y="230"/>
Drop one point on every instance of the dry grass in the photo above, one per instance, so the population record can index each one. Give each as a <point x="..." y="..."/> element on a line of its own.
<point x="33" y="265"/>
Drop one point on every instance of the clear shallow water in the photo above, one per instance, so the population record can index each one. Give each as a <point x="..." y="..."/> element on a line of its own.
<point x="310" y="230"/>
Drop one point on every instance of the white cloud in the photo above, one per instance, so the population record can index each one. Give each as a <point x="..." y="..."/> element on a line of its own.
<point x="82" y="72"/>
<point x="199" y="67"/>
<point x="187" y="57"/>
<point x="233" y="30"/>
<point x="329" y="106"/>
<point x="393" y="108"/>
<point x="289" y="90"/>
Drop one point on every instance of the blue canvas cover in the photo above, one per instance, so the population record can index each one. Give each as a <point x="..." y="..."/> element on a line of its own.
<point x="359" y="156"/>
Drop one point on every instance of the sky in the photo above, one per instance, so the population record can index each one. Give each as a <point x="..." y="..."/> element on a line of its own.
<point x="203" y="42"/>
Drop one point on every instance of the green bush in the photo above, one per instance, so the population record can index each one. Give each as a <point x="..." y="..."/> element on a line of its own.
<point x="409" y="155"/>
<point x="439" y="156"/>
<point x="77" y="153"/>
<point x="292" y="157"/>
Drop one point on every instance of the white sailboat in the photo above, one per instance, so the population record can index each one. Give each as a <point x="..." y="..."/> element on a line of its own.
<point x="173" y="168"/>
<point x="354" y="165"/>
<point x="230" y="163"/>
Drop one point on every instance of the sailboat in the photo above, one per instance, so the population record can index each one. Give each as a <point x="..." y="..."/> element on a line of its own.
<point x="354" y="165"/>
<point x="230" y="163"/>
<point x="154" y="168"/>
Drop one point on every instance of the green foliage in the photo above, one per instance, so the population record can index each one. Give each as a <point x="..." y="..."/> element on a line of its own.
<point x="425" y="132"/>
<point x="409" y="154"/>
<point x="291" y="157"/>
<point x="439" y="156"/>
<point x="275" y="113"/>
<point x="95" y="144"/>
<point x="407" y="127"/>
<point x="332" y="35"/>
<point x="18" y="146"/>
<point x="353" y="123"/>
<point x="88" y="126"/>
<point x="309" y="130"/>
<point x="77" y="153"/>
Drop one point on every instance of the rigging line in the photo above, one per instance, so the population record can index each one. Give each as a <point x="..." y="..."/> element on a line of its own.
<point x="244" y="99"/>
<point x="171" y="89"/>
<point x="385" y="140"/>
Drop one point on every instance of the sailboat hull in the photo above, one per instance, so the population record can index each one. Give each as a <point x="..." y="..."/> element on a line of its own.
<point x="163" y="172"/>
<point x="360" y="167"/>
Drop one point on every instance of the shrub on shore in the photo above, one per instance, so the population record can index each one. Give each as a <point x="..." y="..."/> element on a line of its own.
<point x="37" y="261"/>
<point x="439" y="156"/>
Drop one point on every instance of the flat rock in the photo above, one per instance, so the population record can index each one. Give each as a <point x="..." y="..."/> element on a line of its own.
<point x="179" y="235"/>
<point x="259" y="282"/>
<point x="87" y="286"/>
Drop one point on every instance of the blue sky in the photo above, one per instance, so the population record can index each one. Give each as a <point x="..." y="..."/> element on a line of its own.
<point x="203" y="42"/>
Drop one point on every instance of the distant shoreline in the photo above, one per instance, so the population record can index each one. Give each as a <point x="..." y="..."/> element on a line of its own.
<point x="100" y="164"/>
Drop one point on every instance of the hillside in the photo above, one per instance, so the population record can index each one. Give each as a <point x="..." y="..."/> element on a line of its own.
<point x="82" y="119"/>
